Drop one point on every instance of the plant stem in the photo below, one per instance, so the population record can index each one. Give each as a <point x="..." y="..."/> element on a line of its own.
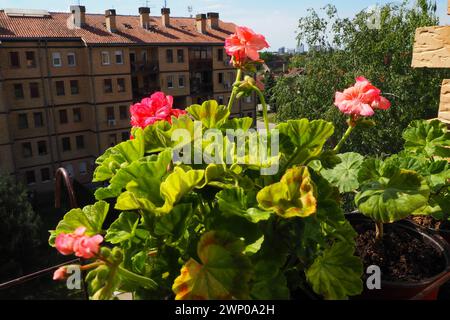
<point x="343" y="139"/>
<point x="147" y="282"/>
<point x="264" y="104"/>
<point x="234" y="92"/>
<point x="379" y="231"/>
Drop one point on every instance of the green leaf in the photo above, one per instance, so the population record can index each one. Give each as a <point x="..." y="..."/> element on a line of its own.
<point x="304" y="139"/>
<point x="223" y="272"/>
<point x="118" y="157"/>
<point x="234" y="201"/>
<point x="123" y="228"/>
<point x="91" y="217"/>
<point x="173" y="224"/>
<point x="394" y="196"/>
<point x="157" y="165"/>
<point x="430" y="138"/>
<point x="143" y="180"/>
<point x="345" y="174"/>
<point x="238" y="123"/>
<point x="336" y="274"/>
<point x="293" y="196"/>
<point x="210" y="113"/>
<point x="178" y="184"/>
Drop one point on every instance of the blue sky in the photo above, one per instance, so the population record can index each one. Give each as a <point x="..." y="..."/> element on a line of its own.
<point x="277" y="20"/>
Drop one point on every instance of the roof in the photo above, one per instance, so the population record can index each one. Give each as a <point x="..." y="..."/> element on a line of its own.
<point x="129" y="31"/>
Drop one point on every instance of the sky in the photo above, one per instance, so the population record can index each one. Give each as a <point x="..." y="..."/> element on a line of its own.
<point x="276" y="19"/>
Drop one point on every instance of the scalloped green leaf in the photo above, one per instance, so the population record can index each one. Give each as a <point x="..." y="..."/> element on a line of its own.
<point x="119" y="157"/>
<point x="394" y="196"/>
<point x="294" y="196"/>
<point x="238" y="123"/>
<point x="430" y="138"/>
<point x="210" y="113"/>
<point x="123" y="228"/>
<point x="223" y="272"/>
<point x="91" y="217"/>
<point x="336" y="274"/>
<point x="345" y="174"/>
<point x="304" y="139"/>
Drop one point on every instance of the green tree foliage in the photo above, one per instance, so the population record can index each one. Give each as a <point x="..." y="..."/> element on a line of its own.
<point x="342" y="49"/>
<point x="19" y="229"/>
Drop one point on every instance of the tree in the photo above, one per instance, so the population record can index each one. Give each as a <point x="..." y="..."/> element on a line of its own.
<point x="19" y="229"/>
<point x="342" y="49"/>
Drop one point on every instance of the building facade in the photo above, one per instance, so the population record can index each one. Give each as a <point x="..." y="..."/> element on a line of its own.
<point x="67" y="81"/>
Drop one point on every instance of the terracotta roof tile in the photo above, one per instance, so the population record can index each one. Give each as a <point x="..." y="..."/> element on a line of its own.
<point x="182" y="30"/>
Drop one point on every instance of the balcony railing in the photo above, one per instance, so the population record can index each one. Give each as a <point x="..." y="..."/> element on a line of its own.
<point x="201" y="88"/>
<point x="200" y="64"/>
<point x="145" y="67"/>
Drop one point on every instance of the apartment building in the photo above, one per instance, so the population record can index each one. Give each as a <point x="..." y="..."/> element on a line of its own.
<point x="67" y="81"/>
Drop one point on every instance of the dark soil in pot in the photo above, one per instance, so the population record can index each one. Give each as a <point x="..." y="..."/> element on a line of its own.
<point x="413" y="262"/>
<point x="401" y="256"/>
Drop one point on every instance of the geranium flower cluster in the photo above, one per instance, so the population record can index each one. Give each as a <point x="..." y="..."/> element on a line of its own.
<point x="155" y="108"/>
<point x="243" y="46"/>
<point x="361" y="100"/>
<point x="78" y="243"/>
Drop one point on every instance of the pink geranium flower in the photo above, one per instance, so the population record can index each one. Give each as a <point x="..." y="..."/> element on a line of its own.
<point x="245" y="44"/>
<point x="155" y="108"/>
<point x="60" y="273"/>
<point x="78" y="243"/>
<point x="361" y="99"/>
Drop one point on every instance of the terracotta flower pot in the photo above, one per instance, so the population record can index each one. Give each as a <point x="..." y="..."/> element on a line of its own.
<point x="426" y="289"/>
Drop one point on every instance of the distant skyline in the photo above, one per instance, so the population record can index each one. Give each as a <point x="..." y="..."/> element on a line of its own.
<point x="277" y="20"/>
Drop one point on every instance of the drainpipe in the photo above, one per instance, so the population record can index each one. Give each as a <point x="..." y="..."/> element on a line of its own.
<point x="94" y="100"/>
<point x="52" y="103"/>
<point x="46" y="104"/>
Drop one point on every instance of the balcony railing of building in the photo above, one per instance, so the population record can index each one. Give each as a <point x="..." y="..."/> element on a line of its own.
<point x="201" y="88"/>
<point x="145" y="67"/>
<point x="200" y="64"/>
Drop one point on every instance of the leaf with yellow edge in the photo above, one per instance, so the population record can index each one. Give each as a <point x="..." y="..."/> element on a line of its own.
<point x="223" y="273"/>
<point x="293" y="196"/>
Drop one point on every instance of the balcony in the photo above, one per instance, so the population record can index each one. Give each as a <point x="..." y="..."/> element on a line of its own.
<point x="140" y="93"/>
<point x="201" y="88"/>
<point x="200" y="64"/>
<point x="145" y="67"/>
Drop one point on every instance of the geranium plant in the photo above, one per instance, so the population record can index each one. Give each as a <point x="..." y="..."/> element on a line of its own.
<point x="199" y="215"/>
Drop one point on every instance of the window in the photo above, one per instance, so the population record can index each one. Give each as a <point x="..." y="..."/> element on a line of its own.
<point x="42" y="148"/>
<point x="38" y="119"/>
<point x="220" y="100"/>
<point x="34" y="90"/>
<point x="107" y="86"/>
<point x="231" y="77"/>
<point x="71" y="59"/>
<point x="248" y="99"/>
<point x="18" y="91"/>
<point x="30" y="178"/>
<point x="45" y="174"/>
<point x="169" y="56"/>
<point x="112" y="139"/>
<point x="60" y="90"/>
<point x="121" y="85"/>
<point x="123" y="110"/>
<point x="170" y="82"/>
<point x="76" y="114"/>
<point x="66" y="144"/>
<point x="110" y="113"/>
<point x="23" y="121"/>
<point x="180" y="56"/>
<point x="56" y="58"/>
<point x="63" y="117"/>
<point x="220" y="75"/>
<point x="27" y="151"/>
<point x="30" y="57"/>
<point x="105" y="58"/>
<point x="14" y="59"/>
<point x="181" y="81"/>
<point x="82" y="168"/>
<point x="80" y="142"/>
<point x="74" y="88"/>
<point x="119" y="57"/>
<point x="220" y="55"/>
<point x="125" y="135"/>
